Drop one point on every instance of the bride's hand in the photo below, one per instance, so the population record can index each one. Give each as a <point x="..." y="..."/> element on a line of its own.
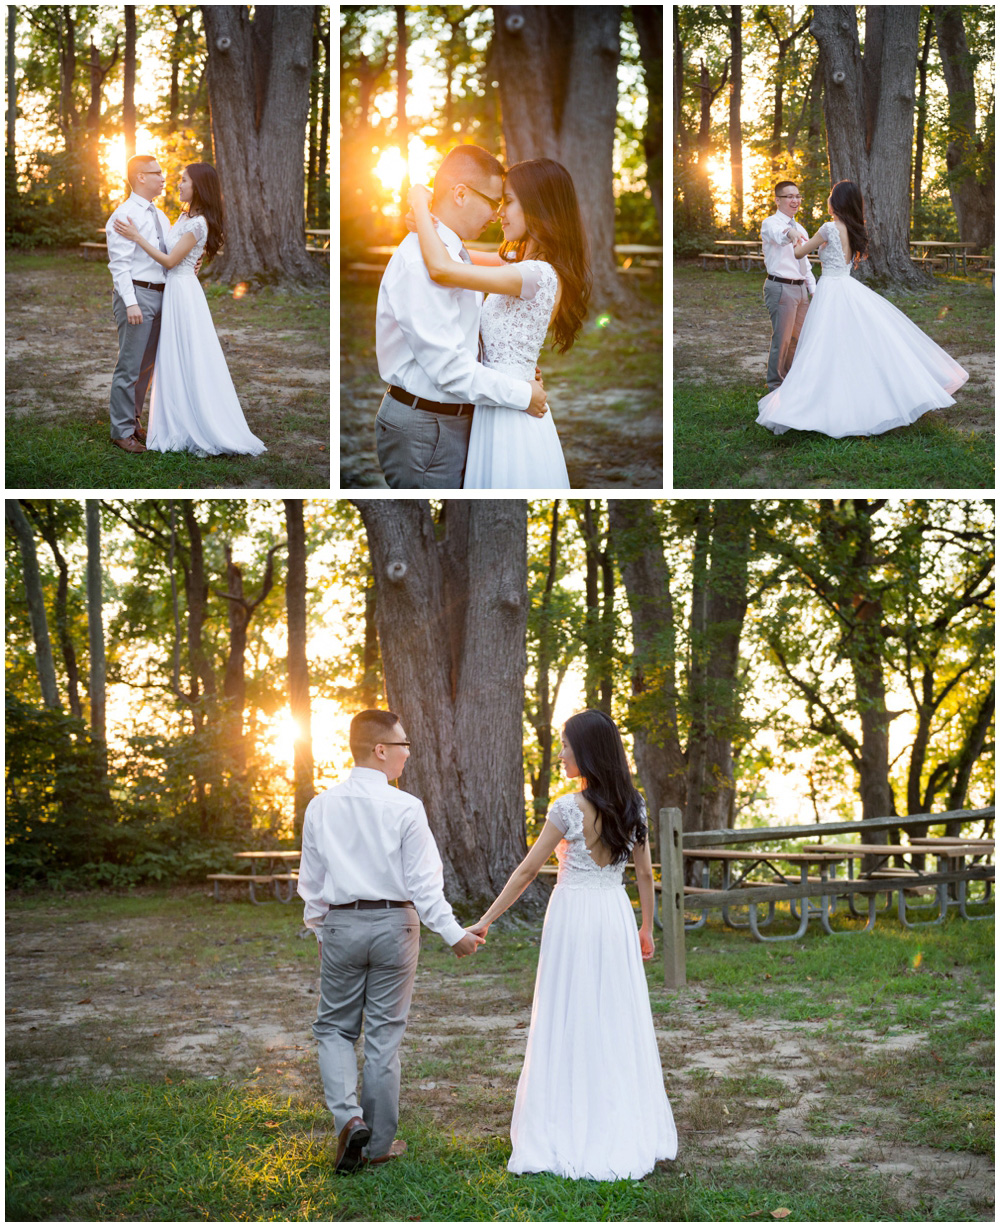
<point x="479" y="928"/>
<point x="128" y="230"/>
<point x="419" y="195"/>
<point x="646" y="944"/>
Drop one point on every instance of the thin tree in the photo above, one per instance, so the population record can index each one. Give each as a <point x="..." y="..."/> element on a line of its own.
<point x="648" y="22"/>
<point x="918" y="155"/>
<point x="35" y="597"/>
<point x="11" y="159"/>
<point x="128" y="99"/>
<point x="734" y="20"/>
<point x="298" y="662"/>
<point x="95" y="630"/>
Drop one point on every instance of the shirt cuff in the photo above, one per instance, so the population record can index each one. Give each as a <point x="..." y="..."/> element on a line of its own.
<point x="453" y="933"/>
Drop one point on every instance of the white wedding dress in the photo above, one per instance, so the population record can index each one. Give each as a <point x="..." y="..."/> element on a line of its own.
<point x="590" y="1102"/>
<point x="194" y="406"/>
<point x="509" y="449"/>
<point x="861" y="367"/>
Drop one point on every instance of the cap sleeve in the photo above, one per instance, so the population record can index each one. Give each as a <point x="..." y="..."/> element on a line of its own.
<point x="558" y="815"/>
<point x="534" y="273"/>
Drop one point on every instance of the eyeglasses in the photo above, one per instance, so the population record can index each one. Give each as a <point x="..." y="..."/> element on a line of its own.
<point x="392" y="743"/>
<point x="495" y="204"/>
<point x="789" y="196"/>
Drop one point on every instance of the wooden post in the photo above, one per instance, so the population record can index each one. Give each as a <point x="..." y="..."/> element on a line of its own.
<point x="672" y="898"/>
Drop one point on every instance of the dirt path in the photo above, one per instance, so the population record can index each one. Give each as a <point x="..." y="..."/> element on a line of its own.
<point x="201" y="990"/>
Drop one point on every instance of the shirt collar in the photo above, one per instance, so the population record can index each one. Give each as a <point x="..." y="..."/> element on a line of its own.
<point x="371" y="774"/>
<point x="448" y="236"/>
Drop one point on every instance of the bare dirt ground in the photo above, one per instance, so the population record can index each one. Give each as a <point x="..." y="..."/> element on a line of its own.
<point x="198" y="994"/>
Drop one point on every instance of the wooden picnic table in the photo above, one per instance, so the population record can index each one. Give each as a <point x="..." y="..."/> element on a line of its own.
<point x="950" y="251"/>
<point x="278" y="873"/>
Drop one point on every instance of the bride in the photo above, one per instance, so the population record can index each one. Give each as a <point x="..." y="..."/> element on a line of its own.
<point x="861" y="366"/>
<point x="194" y="406"/>
<point x="539" y="279"/>
<point x="590" y="1101"/>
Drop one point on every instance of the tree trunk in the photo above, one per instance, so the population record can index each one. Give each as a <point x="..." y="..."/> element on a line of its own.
<point x="868" y="102"/>
<point x="128" y="99"/>
<point x="539" y="713"/>
<point x="648" y="21"/>
<point x="918" y="156"/>
<point x="599" y="635"/>
<point x="11" y="152"/>
<point x="451" y="616"/>
<point x="36" y="604"/>
<point x="298" y="663"/>
<point x="652" y="719"/>
<point x="972" y="747"/>
<point x="735" y="119"/>
<point x="972" y="196"/>
<point x="45" y="521"/>
<point x="557" y="67"/>
<point x="95" y="629"/>
<point x="402" y="131"/>
<point x="322" y="167"/>
<point x="258" y="85"/>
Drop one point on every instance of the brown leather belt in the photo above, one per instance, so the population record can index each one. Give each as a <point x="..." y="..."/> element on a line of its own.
<point x="432" y="406"/>
<point x="785" y="280"/>
<point x="365" y="905"/>
<point x="150" y="285"/>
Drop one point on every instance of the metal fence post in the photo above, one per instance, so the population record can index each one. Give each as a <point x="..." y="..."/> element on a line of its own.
<point x="672" y="898"/>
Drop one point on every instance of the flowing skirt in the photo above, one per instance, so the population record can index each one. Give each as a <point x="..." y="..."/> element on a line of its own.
<point x="511" y="450"/>
<point x="590" y="1102"/>
<point x="194" y="406"/>
<point x="861" y="367"/>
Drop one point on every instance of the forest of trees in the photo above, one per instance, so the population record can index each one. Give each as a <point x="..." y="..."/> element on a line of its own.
<point x="523" y="81"/>
<point x="251" y="94"/>
<point x="843" y="647"/>
<point x="895" y="97"/>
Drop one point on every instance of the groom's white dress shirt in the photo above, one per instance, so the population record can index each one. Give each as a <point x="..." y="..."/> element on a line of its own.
<point x="778" y="249"/>
<point x="427" y="335"/>
<point x="126" y="259"/>
<point x="364" y="839"/>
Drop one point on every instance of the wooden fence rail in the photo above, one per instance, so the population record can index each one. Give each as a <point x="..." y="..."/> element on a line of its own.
<point x="673" y="840"/>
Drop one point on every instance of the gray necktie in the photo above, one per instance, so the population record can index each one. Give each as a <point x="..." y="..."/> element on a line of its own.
<point x="467" y="259"/>
<point x="159" y="228"/>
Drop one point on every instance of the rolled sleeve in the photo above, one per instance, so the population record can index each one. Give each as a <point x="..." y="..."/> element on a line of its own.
<point x="436" y="341"/>
<point x="424" y="877"/>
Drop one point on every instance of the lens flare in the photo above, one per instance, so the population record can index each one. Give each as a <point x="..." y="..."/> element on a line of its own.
<point x="240" y="290"/>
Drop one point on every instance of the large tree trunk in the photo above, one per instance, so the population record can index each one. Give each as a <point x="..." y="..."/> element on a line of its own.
<point x="718" y="607"/>
<point x="648" y="20"/>
<point x="557" y="67"/>
<point x="128" y="99"/>
<point x="36" y="604"/>
<point x="652" y="718"/>
<point x="95" y="629"/>
<point x="258" y="86"/>
<point x="298" y="663"/>
<point x="452" y="612"/>
<point x="869" y="103"/>
<point x="972" y="195"/>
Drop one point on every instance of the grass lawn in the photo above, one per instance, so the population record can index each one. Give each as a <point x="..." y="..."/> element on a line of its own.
<point x="161" y="1067"/>
<point x="61" y="349"/>
<point x="721" y="335"/>
<point x="606" y="395"/>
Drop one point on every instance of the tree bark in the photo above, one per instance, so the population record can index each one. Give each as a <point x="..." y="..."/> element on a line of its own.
<point x="971" y="749"/>
<point x="648" y="21"/>
<point x="557" y="67"/>
<point x="128" y="99"/>
<point x="918" y="156"/>
<point x="539" y="713"/>
<point x="298" y="663"/>
<point x="35" y="598"/>
<point x="599" y="634"/>
<point x="95" y="629"/>
<point x="11" y="152"/>
<point x="258" y="85"/>
<point x="972" y="194"/>
<point x="734" y="20"/>
<point x="45" y="520"/>
<point x="652" y="712"/>
<point x="402" y="131"/>
<point x="451" y="615"/>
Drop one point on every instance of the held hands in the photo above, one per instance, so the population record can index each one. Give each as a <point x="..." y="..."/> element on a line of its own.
<point x="646" y="944"/>
<point x="128" y="230"/>
<point x="480" y="928"/>
<point x="469" y="944"/>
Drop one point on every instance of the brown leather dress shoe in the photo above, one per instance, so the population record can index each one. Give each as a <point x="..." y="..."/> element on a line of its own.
<point x="395" y="1151"/>
<point x="131" y="444"/>
<point x="353" y="1138"/>
<point x="140" y="434"/>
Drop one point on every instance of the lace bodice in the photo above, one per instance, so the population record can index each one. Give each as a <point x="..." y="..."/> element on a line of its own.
<point x="577" y="868"/>
<point x="183" y="225"/>
<point x="513" y="329"/>
<point x="832" y="255"/>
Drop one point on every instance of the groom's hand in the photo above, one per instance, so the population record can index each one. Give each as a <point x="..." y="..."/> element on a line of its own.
<point x="468" y="945"/>
<point x="536" y="406"/>
<point x="134" y="314"/>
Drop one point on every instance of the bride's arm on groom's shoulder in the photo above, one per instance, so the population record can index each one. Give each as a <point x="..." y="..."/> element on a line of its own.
<point x="181" y="248"/>
<point x="490" y="278"/>
<point x="522" y="877"/>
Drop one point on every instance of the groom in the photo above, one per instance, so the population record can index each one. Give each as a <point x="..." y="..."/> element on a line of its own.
<point x="136" y="301"/>
<point x="370" y="873"/>
<point x="788" y="280"/>
<point x="427" y="340"/>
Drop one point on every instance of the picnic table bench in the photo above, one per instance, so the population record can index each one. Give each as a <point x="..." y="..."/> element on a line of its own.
<point x="278" y="874"/>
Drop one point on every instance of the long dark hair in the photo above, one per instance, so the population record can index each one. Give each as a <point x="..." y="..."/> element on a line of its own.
<point x="849" y="205"/>
<point x="552" y="217"/>
<point x="206" y="202"/>
<point x="600" y="757"/>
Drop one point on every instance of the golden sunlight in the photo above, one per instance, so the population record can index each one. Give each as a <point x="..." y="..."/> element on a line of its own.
<point x="419" y="167"/>
<point x="391" y="169"/>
